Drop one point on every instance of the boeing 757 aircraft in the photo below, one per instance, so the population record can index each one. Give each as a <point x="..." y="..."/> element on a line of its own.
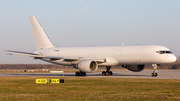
<point x="88" y="59"/>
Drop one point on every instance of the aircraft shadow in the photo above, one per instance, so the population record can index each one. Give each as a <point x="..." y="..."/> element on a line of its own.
<point x="73" y="75"/>
<point x="116" y="75"/>
<point x="38" y="74"/>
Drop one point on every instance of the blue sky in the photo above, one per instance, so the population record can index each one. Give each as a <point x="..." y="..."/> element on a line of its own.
<point x="89" y="22"/>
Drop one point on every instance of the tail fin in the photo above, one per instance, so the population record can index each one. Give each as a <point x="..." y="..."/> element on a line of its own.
<point x="40" y="37"/>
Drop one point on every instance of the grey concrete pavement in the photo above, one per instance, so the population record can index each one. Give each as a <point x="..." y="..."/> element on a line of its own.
<point x="146" y="74"/>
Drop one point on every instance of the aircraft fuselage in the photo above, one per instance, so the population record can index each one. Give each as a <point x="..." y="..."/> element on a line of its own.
<point x="114" y="55"/>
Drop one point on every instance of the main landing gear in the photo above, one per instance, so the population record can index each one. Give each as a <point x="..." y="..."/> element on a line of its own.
<point x="107" y="72"/>
<point x="154" y="73"/>
<point x="80" y="74"/>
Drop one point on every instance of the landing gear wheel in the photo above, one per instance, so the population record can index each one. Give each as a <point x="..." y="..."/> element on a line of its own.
<point x="107" y="73"/>
<point x="103" y="73"/>
<point x="80" y="74"/>
<point x="110" y="73"/>
<point x="83" y="74"/>
<point x="77" y="73"/>
<point x="154" y="74"/>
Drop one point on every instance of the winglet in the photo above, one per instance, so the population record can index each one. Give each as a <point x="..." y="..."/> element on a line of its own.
<point x="41" y="39"/>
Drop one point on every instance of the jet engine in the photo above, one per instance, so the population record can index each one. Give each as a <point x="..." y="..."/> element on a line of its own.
<point x="135" y="68"/>
<point x="87" y="66"/>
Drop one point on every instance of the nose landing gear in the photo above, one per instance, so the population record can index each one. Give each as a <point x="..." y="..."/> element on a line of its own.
<point x="154" y="73"/>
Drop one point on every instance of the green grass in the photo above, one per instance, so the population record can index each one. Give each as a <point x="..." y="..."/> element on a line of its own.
<point x="81" y="88"/>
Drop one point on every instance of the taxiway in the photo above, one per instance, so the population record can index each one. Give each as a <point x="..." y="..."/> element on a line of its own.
<point x="146" y="74"/>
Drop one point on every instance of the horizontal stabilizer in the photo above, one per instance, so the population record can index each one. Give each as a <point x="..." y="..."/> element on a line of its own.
<point x="21" y="52"/>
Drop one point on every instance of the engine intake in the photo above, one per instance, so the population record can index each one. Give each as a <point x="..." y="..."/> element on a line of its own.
<point x="87" y="66"/>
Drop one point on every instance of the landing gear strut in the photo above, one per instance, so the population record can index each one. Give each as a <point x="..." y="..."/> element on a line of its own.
<point x="107" y="72"/>
<point x="154" y="73"/>
<point x="80" y="74"/>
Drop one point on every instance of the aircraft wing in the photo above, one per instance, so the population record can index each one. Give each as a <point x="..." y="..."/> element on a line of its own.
<point x="37" y="56"/>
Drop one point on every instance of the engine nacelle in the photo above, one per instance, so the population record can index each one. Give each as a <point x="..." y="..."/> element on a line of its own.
<point x="87" y="66"/>
<point x="135" y="68"/>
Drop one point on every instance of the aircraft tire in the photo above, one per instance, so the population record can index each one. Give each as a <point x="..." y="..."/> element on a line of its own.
<point x="152" y="74"/>
<point x="83" y="74"/>
<point x="106" y="73"/>
<point x="155" y="74"/>
<point x="103" y="73"/>
<point x="80" y="73"/>
<point x="77" y="74"/>
<point x="110" y="73"/>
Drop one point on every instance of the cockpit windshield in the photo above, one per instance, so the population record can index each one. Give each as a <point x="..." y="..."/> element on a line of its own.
<point x="164" y="52"/>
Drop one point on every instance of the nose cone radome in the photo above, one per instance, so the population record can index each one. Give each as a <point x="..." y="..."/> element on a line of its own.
<point x="172" y="58"/>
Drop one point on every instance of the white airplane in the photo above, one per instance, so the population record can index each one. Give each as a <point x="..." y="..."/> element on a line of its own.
<point x="88" y="59"/>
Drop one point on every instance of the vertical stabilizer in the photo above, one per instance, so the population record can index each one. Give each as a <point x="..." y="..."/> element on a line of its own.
<point x="40" y="37"/>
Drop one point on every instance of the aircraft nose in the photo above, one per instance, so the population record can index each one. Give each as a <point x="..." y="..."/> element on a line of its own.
<point x="172" y="58"/>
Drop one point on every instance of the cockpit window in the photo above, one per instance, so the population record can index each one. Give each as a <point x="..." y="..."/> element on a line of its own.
<point x="164" y="52"/>
<point x="168" y="52"/>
